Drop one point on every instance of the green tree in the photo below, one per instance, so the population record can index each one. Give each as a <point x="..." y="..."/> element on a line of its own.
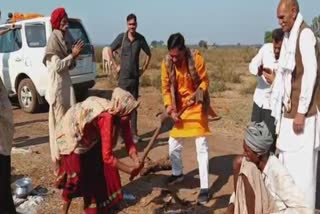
<point x="316" y="26"/>
<point x="203" y="44"/>
<point x="267" y="37"/>
<point x="154" y="43"/>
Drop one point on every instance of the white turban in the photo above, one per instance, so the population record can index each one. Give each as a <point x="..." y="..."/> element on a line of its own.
<point x="258" y="137"/>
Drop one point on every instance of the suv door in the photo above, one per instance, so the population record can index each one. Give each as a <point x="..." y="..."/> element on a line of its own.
<point x="11" y="58"/>
<point x="85" y="63"/>
<point x="36" y="41"/>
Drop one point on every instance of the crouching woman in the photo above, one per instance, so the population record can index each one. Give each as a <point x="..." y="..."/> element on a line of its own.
<point x="85" y="138"/>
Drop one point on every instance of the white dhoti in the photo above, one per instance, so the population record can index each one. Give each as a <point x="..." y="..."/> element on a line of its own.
<point x="299" y="154"/>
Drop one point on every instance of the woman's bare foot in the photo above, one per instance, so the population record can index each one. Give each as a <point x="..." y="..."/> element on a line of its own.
<point x="65" y="207"/>
<point x="56" y="168"/>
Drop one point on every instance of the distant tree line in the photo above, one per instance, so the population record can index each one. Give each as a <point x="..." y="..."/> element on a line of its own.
<point x="157" y="44"/>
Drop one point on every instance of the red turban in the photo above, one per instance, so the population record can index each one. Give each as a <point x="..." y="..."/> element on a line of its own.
<point x="56" y="17"/>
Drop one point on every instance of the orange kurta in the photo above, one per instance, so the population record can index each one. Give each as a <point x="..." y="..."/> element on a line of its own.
<point x="194" y="121"/>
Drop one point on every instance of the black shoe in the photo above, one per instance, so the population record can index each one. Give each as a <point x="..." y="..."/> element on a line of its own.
<point x="203" y="197"/>
<point x="173" y="179"/>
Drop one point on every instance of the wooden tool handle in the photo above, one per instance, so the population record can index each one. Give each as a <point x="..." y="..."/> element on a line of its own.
<point x="156" y="134"/>
<point x="150" y="144"/>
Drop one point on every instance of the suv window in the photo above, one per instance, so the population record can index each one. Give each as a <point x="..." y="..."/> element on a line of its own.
<point x="11" y="41"/>
<point x="36" y="35"/>
<point x="76" y="32"/>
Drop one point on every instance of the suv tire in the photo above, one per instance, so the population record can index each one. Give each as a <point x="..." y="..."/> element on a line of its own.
<point x="28" y="96"/>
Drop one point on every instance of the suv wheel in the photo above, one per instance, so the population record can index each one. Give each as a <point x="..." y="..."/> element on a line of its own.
<point x="27" y="95"/>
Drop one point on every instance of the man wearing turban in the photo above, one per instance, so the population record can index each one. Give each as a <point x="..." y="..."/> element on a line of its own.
<point x="262" y="184"/>
<point x="59" y="58"/>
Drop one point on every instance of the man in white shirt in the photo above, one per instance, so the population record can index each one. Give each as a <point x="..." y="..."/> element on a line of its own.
<point x="264" y="66"/>
<point x="296" y="87"/>
<point x="262" y="184"/>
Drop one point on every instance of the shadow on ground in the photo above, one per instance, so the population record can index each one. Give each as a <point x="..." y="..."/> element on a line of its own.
<point x="220" y="166"/>
<point x="26" y="141"/>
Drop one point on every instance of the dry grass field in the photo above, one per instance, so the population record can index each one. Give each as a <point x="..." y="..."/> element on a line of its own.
<point x="226" y="67"/>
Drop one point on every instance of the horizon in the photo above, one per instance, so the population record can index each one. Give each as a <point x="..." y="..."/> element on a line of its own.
<point x="223" y="23"/>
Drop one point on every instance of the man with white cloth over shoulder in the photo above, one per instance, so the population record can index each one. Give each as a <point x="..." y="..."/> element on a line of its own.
<point x="293" y="99"/>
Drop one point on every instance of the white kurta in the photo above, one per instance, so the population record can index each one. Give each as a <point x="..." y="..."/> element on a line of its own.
<point x="60" y="95"/>
<point x="299" y="153"/>
<point x="266" y="58"/>
<point x="299" y="156"/>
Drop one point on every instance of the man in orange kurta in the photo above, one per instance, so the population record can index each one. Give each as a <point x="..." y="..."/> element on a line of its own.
<point x="178" y="90"/>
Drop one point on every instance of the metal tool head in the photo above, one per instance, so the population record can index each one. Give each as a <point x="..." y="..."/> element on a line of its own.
<point x="167" y="122"/>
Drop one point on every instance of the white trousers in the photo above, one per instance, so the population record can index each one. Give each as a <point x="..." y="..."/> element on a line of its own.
<point x="175" y="149"/>
<point x="298" y="154"/>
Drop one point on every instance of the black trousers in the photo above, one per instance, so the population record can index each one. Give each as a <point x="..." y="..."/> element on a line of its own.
<point x="259" y="115"/>
<point x="132" y="86"/>
<point x="6" y="201"/>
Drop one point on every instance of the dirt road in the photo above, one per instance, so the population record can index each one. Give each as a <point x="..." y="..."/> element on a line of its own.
<point x="226" y="141"/>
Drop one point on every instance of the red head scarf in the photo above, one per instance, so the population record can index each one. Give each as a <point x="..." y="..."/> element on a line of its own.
<point x="56" y="17"/>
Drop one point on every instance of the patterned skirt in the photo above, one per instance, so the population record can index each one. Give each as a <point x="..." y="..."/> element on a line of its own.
<point x="87" y="176"/>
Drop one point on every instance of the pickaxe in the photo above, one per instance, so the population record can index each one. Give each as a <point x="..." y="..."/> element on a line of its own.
<point x="166" y="124"/>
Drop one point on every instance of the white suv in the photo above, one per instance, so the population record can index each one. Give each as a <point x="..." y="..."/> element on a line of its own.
<point x="21" y="67"/>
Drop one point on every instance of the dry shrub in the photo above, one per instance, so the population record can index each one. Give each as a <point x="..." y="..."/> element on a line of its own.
<point x="248" y="54"/>
<point x="222" y="64"/>
<point x="151" y="80"/>
<point x="226" y="72"/>
<point x="111" y="78"/>
<point x="221" y="74"/>
<point x="217" y="86"/>
<point x="231" y="55"/>
<point x="156" y="81"/>
<point x="249" y="86"/>
<point x="158" y="55"/>
<point x="98" y="53"/>
<point x="145" y="81"/>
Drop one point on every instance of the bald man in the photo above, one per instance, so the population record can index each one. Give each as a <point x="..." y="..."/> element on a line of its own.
<point x="296" y="88"/>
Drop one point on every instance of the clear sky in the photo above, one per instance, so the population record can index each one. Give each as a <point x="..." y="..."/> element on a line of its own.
<point x="219" y="21"/>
